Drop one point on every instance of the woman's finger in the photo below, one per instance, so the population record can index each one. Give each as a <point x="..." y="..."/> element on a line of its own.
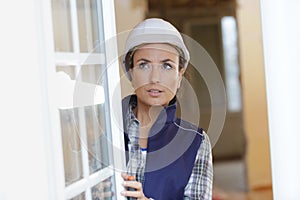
<point x="127" y="177"/>
<point x="133" y="184"/>
<point x="136" y="194"/>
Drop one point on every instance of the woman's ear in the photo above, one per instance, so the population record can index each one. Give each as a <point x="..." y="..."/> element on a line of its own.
<point x="180" y="76"/>
<point x="131" y="76"/>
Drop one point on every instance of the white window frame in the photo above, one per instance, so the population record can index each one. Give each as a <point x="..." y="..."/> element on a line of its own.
<point x="58" y="190"/>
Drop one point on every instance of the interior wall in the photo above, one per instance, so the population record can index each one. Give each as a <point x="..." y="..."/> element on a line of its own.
<point x="128" y="14"/>
<point x="254" y="94"/>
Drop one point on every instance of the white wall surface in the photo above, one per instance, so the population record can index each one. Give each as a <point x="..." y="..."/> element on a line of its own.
<point x="23" y="168"/>
<point x="281" y="31"/>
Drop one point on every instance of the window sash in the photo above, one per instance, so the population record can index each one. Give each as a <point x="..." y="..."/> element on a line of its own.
<point x="86" y="183"/>
<point x="77" y="58"/>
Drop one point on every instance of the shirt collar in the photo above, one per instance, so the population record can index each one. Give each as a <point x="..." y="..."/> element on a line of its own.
<point x="167" y="115"/>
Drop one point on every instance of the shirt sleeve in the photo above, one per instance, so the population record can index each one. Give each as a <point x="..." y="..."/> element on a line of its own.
<point x="200" y="182"/>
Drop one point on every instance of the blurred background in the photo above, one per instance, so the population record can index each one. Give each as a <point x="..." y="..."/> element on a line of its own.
<point x="230" y="31"/>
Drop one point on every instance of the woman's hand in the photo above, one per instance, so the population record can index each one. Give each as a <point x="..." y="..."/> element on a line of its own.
<point x="137" y="186"/>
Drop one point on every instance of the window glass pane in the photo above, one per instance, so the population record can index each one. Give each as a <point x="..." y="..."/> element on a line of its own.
<point x="62" y="25"/>
<point x="79" y="197"/>
<point x="97" y="138"/>
<point x="71" y="145"/>
<point x="88" y="130"/>
<point x="230" y="46"/>
<point x="88" y="25"/>
<point x="92" y="74"/>
<point x="103" y="191"/>
<point x="70" y="70"/>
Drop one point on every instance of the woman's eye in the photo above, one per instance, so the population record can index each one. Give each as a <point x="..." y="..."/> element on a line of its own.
<point x="167" y="66"/>
<point x="143" y="65"/>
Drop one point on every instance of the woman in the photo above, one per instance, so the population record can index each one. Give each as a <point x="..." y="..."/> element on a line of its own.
<point x="168" y="158"/>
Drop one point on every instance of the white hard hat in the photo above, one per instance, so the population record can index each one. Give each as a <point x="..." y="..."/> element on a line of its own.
<point x="155" y="30"/>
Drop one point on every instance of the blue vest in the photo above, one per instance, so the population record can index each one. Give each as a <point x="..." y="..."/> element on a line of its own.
<point x="172" y="149"/>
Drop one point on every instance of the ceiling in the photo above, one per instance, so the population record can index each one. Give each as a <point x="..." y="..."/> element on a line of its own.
<point x="158" y="4"/>
<point x="171" y="9"/>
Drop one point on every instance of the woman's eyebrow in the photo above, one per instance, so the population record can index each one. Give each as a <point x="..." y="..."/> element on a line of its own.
<point x="143" y="59"/>
<point x="162" y="61"/>
<point x="167" y="60"/>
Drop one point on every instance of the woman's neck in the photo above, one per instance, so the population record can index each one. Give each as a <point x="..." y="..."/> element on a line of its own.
<point x="147" y="116"/>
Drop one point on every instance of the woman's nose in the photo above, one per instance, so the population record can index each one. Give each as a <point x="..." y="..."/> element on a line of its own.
<point x="155" y="74"/>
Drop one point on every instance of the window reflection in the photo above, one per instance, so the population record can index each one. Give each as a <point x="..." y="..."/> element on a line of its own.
<point x="103" y="191"/>
<point x="71" y="146"/>
<point x="79" y="197"/>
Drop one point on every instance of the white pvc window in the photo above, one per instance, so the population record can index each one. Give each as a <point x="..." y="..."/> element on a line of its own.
<point x="87" y="128"/>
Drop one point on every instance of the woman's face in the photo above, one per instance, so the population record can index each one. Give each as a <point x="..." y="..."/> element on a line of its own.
<point x="155" y="74"/>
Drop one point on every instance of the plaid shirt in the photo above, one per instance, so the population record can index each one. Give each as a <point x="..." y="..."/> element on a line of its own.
<point x="200" y="183"/>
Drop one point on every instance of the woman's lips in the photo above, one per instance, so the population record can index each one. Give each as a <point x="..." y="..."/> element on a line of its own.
<point x="154" y="92"/>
